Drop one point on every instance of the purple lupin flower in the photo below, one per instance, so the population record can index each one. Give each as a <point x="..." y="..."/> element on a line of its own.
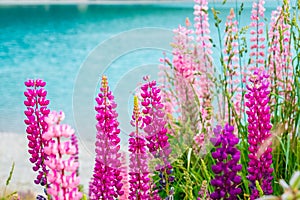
<point x="36" y="111"/>
<point x="106" y="182"/>
<point x="227" y="156"/>
<point x="138" y="163"/>
<point x="259" y="137"/>
<point x="154" y="122"/>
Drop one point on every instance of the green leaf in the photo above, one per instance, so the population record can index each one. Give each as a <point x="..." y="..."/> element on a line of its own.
<point x="10" y="174"/>
<point x="295" y="180"/>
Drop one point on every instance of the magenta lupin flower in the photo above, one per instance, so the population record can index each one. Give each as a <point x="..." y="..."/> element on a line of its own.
<point x="154" y="125"/>
<point x="36" y="111"/>
<point x="259" y="136"/>
<point x="106" y="182"/>
<point x="227" y="156"/>
<point x="62" y="177"/>
<point x="154" y="121"/>
<point x="257" y="53"/>
<point x="138" y="163"/>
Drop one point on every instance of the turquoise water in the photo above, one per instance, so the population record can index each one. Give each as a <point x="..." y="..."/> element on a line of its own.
<point x="51" y="42"/>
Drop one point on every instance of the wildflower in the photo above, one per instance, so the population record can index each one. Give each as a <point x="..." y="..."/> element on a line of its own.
<point x="36" y="112"/>
<point x="62" y="177"/>
<point x="106" y="182"/>
<point x="227" y="157"/>
<point x="139" y="172"/>
<point x="257" y="53"/>
<point x="259" y="137"/>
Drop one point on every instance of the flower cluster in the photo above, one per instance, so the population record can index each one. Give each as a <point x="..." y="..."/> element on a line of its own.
<point x="139" y="172"/>
<point x="234" y="74"/>
<point x="203" y="48"/>
<point x="106" y="182"/>
<point x="259" y="137"/>
<point x="227" y="156"/>
<point x="124" y="173"/>
<point x="154" y="125"/>
<point x="280" y="54"/>
<point x="257" y="53"/>
<point x="62" y="177"/>
<point x="36" y="111"/>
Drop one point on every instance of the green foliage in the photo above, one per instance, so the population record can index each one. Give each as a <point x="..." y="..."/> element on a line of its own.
<point x="12" y="195"/>
<point x="191" y="169"/>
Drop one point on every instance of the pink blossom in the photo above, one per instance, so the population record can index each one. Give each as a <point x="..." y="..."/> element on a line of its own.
<point x="63" y="181"/>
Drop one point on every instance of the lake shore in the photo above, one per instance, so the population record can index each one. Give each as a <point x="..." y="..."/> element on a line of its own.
<point x="13" y="148"/>
<point x="100" y="2"/>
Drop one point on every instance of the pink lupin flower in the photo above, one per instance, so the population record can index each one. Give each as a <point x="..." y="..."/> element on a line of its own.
<point x="36" y="111"/>
<point x="124" y="172"/>
<point x="257" y="53"/>
<point x="259" y="136"/>
<point x="62" y="177"/>
<point x="139" y="172"/>
<point x="234" y="73"/>
<point x="203" y="56"/>
<point x="106" y="182"/>
<point x="280" y="54"/>
<point x="203" y="59"/>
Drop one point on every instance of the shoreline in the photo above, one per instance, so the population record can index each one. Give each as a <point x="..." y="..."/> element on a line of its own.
<point x="14" y="149"/>
<point x="102" y="2"/>
<point x="90" y="2"/>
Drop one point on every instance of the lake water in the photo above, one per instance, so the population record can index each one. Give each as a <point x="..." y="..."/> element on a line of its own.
<point x="51" y="42"/>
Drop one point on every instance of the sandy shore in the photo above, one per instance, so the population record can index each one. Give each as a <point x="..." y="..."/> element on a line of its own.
<point x="13" y="148"/>
<point x="90" y="2"/>
<point x="37" y="2"/>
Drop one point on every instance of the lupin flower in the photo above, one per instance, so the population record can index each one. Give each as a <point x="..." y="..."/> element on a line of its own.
<point x="203" y="193"/>
<point x="257" y="53"/>
<point x="139" y="172"/>
<point x="106" y="182"/>
<point x="124" y="172"/>
<point x="62" y="177"/>
<point x="154" y="125"/>
<point x="227" y="156"/>
<point x="36" y="104"/>
<point x="203" y="54"/>
<point x="233" y="71"/>
<point x="280" y="54"/>
<point x="259" y="137"/>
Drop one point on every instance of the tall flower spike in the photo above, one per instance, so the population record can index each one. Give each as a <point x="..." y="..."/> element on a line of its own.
<point x="233" y="70"/>
<point x="202" y="57"/>
<point x="280" y="54"/>
<point x="138" y="163"/>
<point x="259" y="137"/>
<point x="154" y="125"/>
<point x="257" y="53"/>
<point x="227" y="156"/>
<point x="106" y="183"/>
<point x="62" y="176"/>
<point x="36" y="111"/>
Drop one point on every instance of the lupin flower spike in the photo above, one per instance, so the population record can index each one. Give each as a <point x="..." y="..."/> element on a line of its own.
<point x="257" y="39"/>
<point x="106" y="182"/>
<point x="227" y="156"/>
<point x="259" y="137"/>
<point x="36" y="111"/>
<point x="154" y="122"/>
<point x="62" y="177"/>
<point x="138" y="164"/>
